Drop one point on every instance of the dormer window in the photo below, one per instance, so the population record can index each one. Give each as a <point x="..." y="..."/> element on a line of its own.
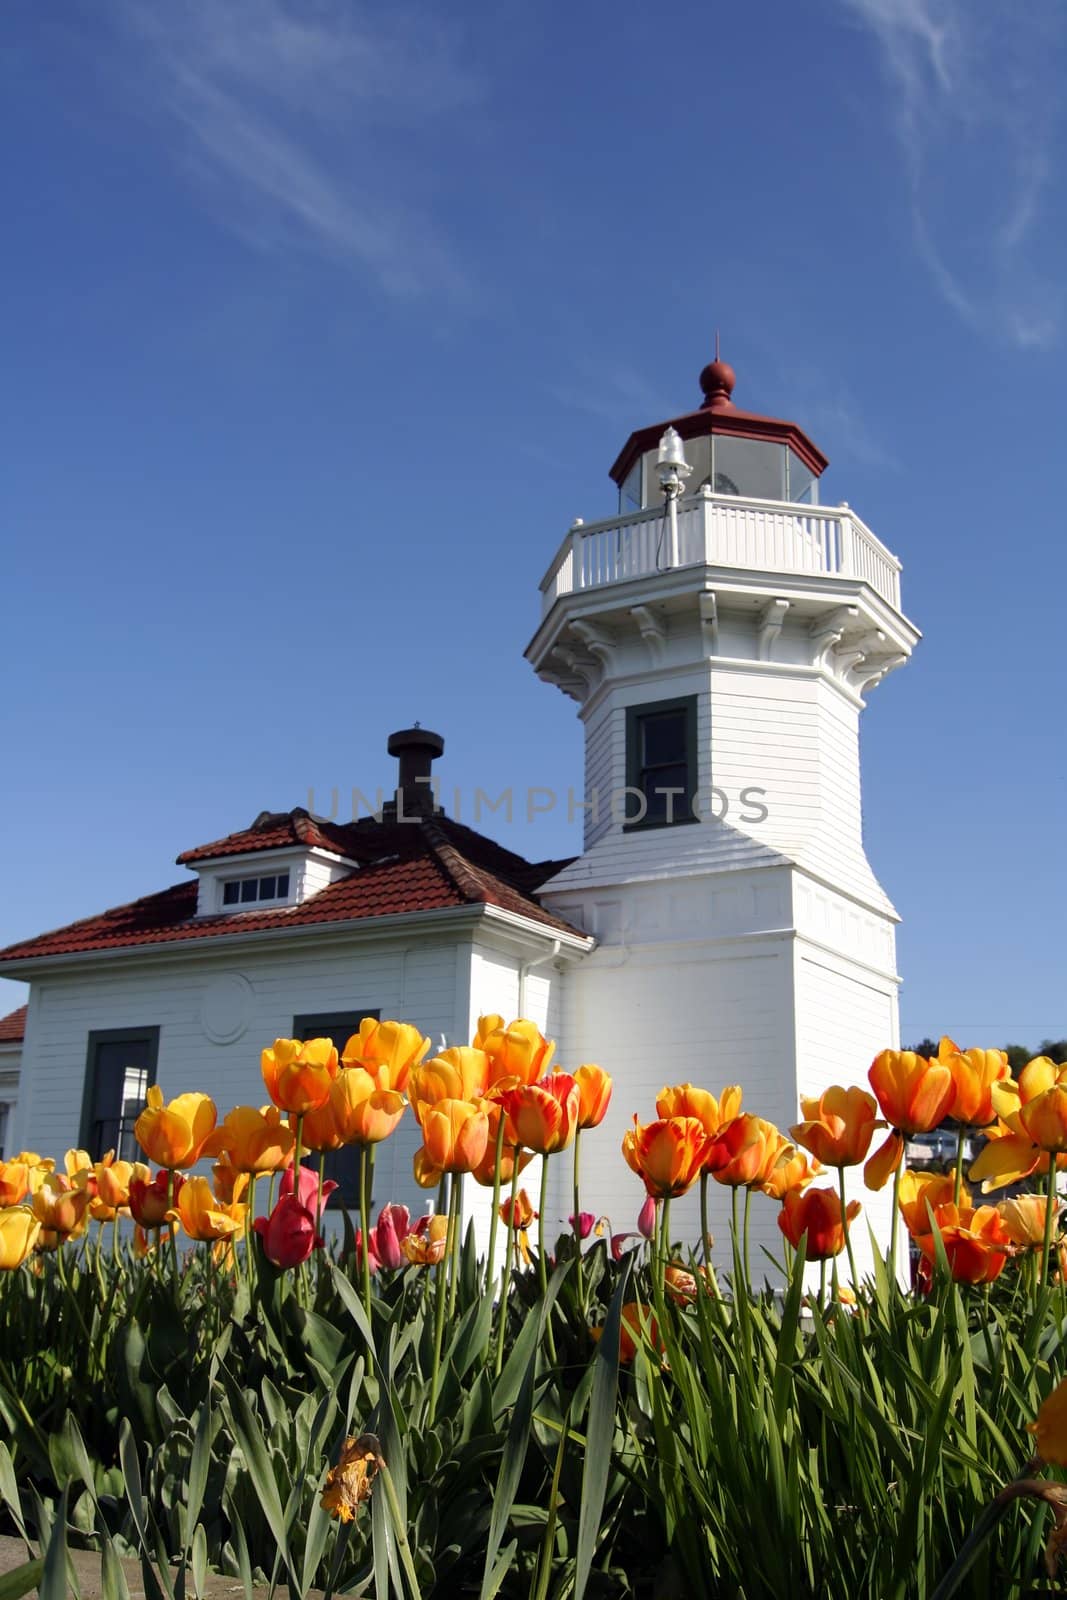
<point x="271" y="889"/>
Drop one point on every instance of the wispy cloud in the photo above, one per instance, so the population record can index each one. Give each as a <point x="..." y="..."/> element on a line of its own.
<point x="977" y="109"/>
<point x="290" y="115"/>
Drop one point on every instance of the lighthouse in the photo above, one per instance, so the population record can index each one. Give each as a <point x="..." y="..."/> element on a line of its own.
<point x="720" y="634"/>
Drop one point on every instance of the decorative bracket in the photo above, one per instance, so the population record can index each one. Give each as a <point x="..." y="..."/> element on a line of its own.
<point x="770" y="626"/>
<point x="709" y="620"/>
<point x="596" y="641"/>
<point x="828" y="630"/>
<point x="652" y="630"/>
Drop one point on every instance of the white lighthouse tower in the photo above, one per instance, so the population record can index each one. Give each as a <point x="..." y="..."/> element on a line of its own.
<point x="720" y="634"/>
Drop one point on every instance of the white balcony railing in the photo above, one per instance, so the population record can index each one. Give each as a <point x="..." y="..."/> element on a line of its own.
<point x="721" y="531"/>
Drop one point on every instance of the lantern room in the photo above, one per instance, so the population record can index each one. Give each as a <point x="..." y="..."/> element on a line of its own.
<point x="729" y="451"/>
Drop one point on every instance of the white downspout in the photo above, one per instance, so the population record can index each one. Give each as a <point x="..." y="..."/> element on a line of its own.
<point x="528" y="967"/>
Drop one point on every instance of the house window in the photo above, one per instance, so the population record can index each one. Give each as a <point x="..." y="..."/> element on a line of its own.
<point x="253" y="891"/>
<point x="661" y="763"/>
<point x="120" y="1067"/>
<point x="5" y="1124"/>
<point x="338" y="1026"/>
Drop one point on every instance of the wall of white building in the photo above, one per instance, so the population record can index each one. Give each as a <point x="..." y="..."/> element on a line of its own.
<point x="10" y="1060"/>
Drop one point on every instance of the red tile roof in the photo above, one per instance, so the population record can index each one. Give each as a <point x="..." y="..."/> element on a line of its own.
<point x="272" y="830"/>
<point x="13" y="1027"/>
<point x="427" y="865"/>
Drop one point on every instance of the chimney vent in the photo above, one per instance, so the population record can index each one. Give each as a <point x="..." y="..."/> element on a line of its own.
<point x="416" y="749"/>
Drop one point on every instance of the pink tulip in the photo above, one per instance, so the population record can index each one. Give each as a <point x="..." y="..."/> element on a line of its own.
<point x="646" y="1219"/>
<point x="390" y="1230"/>
<point x="586" y="1223"/>
<point x="288" y="1234"/>
<point x="309" y="1189"/>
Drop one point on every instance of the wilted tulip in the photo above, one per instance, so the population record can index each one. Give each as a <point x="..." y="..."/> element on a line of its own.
<point x="204" y="1217"/>
<point x="349" y="1484"/>
<point x="289" y="1234"/>
<point x="424" y="1246"/>
<point x="19" y="1229"/>
<point x="544" y="1114"/>
<point x="298" y="1074"/>
<point x="387" y="1050"/>
<point x="254" y="1141"/>
<point x="817" y="1213"/>
<point x="455" y="1135"/>
<point x="667" y="1154"/>
<point x="521" y="1214"/>
<point x="594" y="1092"/>
<point x="838" y="1125"/>
<point x="174" y="1135"/>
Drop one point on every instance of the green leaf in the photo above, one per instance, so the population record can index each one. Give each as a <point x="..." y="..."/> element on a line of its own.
<point x="600" y="1433"/>
<point x="21" y="1580"/>
<point x="54" y="1576"/>
<point x="516" y="1445"/>
<point x="246" y="1432"/>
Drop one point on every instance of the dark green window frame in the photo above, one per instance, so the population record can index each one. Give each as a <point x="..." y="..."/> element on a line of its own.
<point x="639" y="775"/>
<point x="94" y="1134"/>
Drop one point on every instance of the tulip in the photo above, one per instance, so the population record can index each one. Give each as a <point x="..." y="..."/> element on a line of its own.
<point x="512" y="1159"/>
<point x="683" y="1100"/>
<point x="976" y="1242"/>
<point x="309" y="1192"/>
<point x="646" y="1219"/>
<point x="349" y="1484"/>
<point x="289" y="1234"/>
<point x="387" y="1050"/>
<point x="914" y="1095"/>
<point x="974" y="1072"/>
<point x="491" y="1023"/>
<point x="14" y="1182"/>
<point x="112" y="1180"/>
<point x="79" y="1161"/>
<point x="363" y="1113"/>
<point x="1050" y="1429"/>
<point x="544" y="1114"/>
<point x="174" y="1135"/>
<point x="150" y="1201"/>
<point x="254" y="1141"/>
<point x="583" y="1224"/>
<point x="817" y="1214"/>
<point x="455" y="1135"/>
<point x="427" y="1176"/>
<point x="838" y="1125"/>
<point x="791" y="1170"/>
<point x="424" y="1246"/>
<point x="682" y="1285"/>
<point x="520" y="1214"/>
<point x="61" y="1209"/>
<point x="1031" y="1126"/>
<point x="519" y="1051"/>
<point x="1024" y="1218"/>
<point x="298" y="1074"/>
<point x="594" y="1094"/>
<point x="203" y="1216"/>
<point x="637" y="1327"/>
<point x="227" y="1182"/>
<point x="921" y="1192"/>
<point x="19" y="1229"/>
<point x="37" y="1168"/>
<point x="388" y="1234"/>
<point x="667" y="1154"/>
<point x="460" y="1073"/>
<point x="746" y="1151"/>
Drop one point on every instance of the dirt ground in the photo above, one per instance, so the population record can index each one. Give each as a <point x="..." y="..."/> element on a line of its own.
<point x="87" y="1571"/>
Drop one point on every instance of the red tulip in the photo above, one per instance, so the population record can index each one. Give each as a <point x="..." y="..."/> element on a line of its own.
<point x="149" y="1201"/>
<point x="288" y="1234"/>
<point x="308" y="1193"/>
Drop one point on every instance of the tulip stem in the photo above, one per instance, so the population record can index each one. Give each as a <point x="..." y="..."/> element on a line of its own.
<point x="490" y="1287"/>
<point x="173" y="1229"/>
<point x="1044" y="1265"/>
<point x="250" y="1230"/>
<point x="735" y="1239"/>
<point x="455" y="1239"/>
<point x="748" y="1264"/>
<point x="542" y="1259"/>
<point x="894" y="1221"/>
<point x="509" y="1257"/>
<point x="364" y="1223"/>
<point x="704" y="1230"/>
<point x="577" y="1221"/>
<point x="957" y="1182"/>
<point x="848" y="1232"/>
<point x="439" y="1306"/>
<point x="665" y="1234"/>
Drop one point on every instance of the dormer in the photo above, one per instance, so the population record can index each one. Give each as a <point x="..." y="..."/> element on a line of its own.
<point x="281" y="860"/>
<point x="729" y="452"/>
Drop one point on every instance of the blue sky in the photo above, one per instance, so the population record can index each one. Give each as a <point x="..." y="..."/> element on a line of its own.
<point x="322" y="321"/>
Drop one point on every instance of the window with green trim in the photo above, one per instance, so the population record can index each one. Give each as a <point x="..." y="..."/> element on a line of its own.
<point x="661" y="762"/>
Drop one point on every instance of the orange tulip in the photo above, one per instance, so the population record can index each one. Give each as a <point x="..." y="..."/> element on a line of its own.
<point x="524" y="1212"/>
<point x="427" y="1176"/>
<point x="459" y="1073"/>
<point x="817" y="1214"/>
<point x="61" y="1209"/>
<point x="792" y="1169"/>
<point x="228" y="1182"/>
<point x="921" y="1192"/>
<point x="203" y="1216"/>
<point x="298" y="1074"/>
<point x="19" y="1229"/>
<point x="683" y="1100"/>
<point x="544" y="1114"/>
<point x="1032" y="1126"/>
<point x="14" y="1182"/>
<point x="363" y="1113"/>
<point x="914" y="1095"/>
<point x="510" y="1154"/>
<point x="1050" y="1429"/>
<point x="112" y="1180"/>
<point x="746" y="1151"/>
<point x="174" y="1135"/>
<point x="455" y="1135"/>
<point x="974" y="1072"/>
<point x="976" y="1242"/>
<point x="667" y="1154"/>
<point x="838" y="1125"/>
<point x="1023" y="1217"/>
<point x="637" y="1328"/>
<point x="255" y="1141"/>
<point x="594" y="1091"/>
<point x="37" y="1169"/>
<point x="426" y="1249"/>
<point x="387" y="1050"/>
<point x="519" y="1051"/>
<point x="682" y="1284"/>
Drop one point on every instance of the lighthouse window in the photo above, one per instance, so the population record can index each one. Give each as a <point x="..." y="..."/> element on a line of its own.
<point x="661" y="763"/>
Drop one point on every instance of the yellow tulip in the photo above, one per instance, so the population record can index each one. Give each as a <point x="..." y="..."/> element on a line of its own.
<point x="387" y="1050"/>
<point x="684" y="1100"/>
<point x="254" y="1141"/>
<point x="363" y="1113"/>
<point x="19" y="1229"/>
<point x="298" y="1073"/>
<point x="61" y="1209"/>
<point x="838" y="1125"/>
<point x="519" y="1051"/>
<point x="455" y="1135"/>
<point x="203" y="1216"/>
<point x="1023" y="1217"/>
<point x="174" y="1135"/>
<point x="460" y="1073"/>
<point x="14" y="1182"/>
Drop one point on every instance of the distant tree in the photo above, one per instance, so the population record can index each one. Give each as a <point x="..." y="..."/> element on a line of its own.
<point x="1018" y="1055"/>
<point x="925" y="1047"/>
<point x="1055" y="1049"/>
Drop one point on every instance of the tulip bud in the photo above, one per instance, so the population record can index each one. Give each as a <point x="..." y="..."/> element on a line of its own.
<point x="646" y="1219"/>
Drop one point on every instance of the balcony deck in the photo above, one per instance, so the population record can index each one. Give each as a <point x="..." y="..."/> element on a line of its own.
<point x="722" y="531"/>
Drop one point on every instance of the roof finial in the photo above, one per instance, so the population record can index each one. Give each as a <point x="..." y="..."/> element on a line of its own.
<point x="717" y="381"/>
